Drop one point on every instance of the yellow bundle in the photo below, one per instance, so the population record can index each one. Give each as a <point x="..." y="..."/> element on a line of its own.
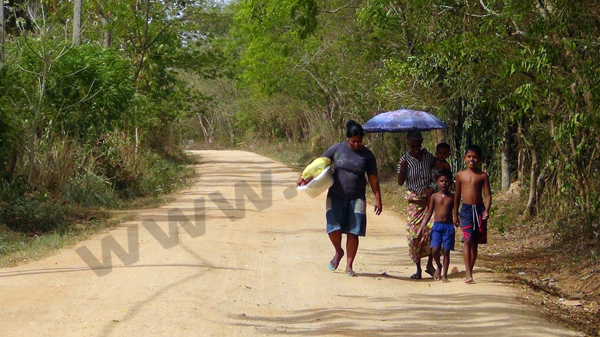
<point x="316" y="167"/>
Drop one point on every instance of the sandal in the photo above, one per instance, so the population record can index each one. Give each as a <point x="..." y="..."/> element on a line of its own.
<point x="415" y="276"/>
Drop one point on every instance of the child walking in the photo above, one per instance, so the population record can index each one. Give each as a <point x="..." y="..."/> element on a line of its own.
<point x="471" y="184"/>
<point x="442" y="233"/>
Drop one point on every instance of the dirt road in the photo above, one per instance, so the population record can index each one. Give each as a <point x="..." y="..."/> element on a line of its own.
<point x="262" y="271"/>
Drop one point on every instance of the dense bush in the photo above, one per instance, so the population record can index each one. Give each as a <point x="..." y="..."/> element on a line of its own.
<point x="21" y="210"/>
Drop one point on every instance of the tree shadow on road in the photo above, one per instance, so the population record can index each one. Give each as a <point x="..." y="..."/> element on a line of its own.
<point x="422" y="315"/>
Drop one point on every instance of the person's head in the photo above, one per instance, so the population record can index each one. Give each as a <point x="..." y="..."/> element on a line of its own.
<point x="415" y="140"/>
<point x="473" y="156"/>
<point x="444" y="179"/>
<point x="442" y="151"/>
<point x="355" y="133"/>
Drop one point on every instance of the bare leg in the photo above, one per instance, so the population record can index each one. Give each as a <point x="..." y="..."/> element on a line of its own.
<point x="336" y="240"/>
<point x="351" y="248"/>
<point x="446" y="253"/>
<point x="467" y="252"/>
<point x="435" y="252"/>
<point x="429" y="269"/>
<point x="418" y="274"/>
<point x="474" y="248"/>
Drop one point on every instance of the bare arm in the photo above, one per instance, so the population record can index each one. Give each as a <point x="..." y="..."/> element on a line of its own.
<point x="488" y="197"/>
<point x="429" y="212"/>
<point x="401" y="174"/>
<point x="457" y="195"/>
<point x="374" y="181"/>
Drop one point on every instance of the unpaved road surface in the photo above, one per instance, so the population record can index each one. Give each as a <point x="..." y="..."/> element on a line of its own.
<point x="255" y="270"/>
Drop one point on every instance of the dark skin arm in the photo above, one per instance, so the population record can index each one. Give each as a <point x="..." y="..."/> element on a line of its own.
<point x="401" y="175"/>
<point x="488" y="197"/>
<point x="374" y="182"/>
<point x="430" y="192"/>
<point x="457" y="196"/>
<point x="429" y="212"/>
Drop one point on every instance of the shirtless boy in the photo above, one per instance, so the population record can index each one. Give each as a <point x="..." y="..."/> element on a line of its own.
<point x="471" y="184"/>
<point x="442" y="233"/>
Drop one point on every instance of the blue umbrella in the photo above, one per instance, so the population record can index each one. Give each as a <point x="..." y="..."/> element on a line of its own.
<point x="404" y="120"/>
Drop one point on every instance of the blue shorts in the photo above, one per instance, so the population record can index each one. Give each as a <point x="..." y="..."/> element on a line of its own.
<point x="346" y="215"/>
<point x="442" y="235"/>
<point x="473" y="226"/>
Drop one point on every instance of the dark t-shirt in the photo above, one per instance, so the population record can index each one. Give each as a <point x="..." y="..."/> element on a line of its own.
<point x="349" y="168"/>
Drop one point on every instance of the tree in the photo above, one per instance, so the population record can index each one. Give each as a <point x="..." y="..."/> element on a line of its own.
<point x="77" y="21"/>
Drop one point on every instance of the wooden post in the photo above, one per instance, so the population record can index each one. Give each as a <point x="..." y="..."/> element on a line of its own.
<point x="77" y="22"/>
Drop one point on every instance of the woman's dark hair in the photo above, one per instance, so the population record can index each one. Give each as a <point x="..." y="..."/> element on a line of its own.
<point x="444" y="173"/>
<point x="354" y="129"/>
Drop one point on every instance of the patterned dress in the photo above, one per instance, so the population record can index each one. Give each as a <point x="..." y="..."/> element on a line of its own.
<point x="418" y="240"/>
<point x="418" y="180"/>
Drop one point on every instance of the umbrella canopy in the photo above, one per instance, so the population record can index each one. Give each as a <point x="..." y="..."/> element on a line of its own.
<point x="404" y="120"/>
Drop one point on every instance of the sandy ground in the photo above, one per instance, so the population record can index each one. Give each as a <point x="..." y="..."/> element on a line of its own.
<point x="250" y="269"/>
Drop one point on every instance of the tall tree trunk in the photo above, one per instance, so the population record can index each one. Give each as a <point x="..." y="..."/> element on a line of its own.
<point x="77" y="22"/>
<point x="108" y="34"/>
<point x="32" y="143"/>
<point x="532" y="200"/>
<point x="521" y="165"/>
<point x="506" y="162"/>
<point x="10" y="168"/>
<point x="144" y="43"/>
<point x="541" y="182"/>
<point x="405" y="25"/>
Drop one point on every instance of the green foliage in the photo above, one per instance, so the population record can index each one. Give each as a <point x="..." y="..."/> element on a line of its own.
<point x="31" y="213"/>
<point x="135" y="174"/>
<point x="89" y="91"/>
<point x="88" y="125"/>
<point x="90" y="190"/>
<point x="491" y="68"/>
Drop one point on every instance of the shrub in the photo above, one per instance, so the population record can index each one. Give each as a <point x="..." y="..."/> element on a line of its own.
<point x="23" y="211"/>
<point x="89" y="189"/>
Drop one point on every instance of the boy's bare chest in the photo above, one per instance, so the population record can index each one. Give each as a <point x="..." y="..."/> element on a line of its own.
<point x="472" y="180"/>
<point x="444" y="200"/>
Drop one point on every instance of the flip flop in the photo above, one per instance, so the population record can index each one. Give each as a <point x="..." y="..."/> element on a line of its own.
<point x="415" y="276"/>
<point x="352" y="273"/>
<point x="470" y="281"/>
<point x="331" y="267"/>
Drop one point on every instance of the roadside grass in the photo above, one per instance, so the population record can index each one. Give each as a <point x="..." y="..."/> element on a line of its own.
<point x="18" y="247"/>
<point x="557" y="274"/>
<point x="36" y="224"/>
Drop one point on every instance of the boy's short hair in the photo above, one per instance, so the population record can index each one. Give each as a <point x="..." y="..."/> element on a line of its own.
<point x="474" y="148"/>
<point x="443" y="146"/>
<point x="444" y="173"/>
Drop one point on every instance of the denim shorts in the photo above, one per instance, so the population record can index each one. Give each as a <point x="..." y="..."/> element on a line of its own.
<point x="346" y="214"/>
